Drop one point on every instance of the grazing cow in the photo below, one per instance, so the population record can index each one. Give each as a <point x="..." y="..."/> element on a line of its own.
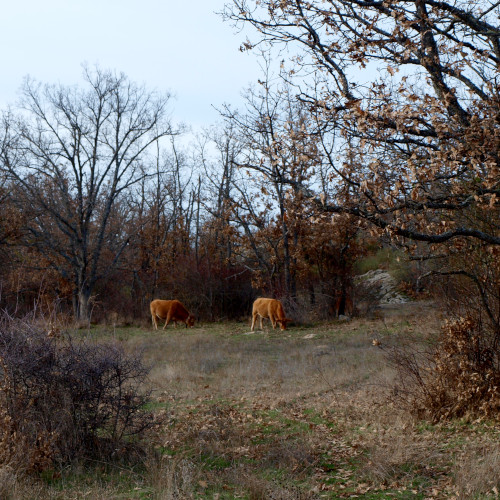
<point x="170" y="310"/>
<point x="269" y="308"/>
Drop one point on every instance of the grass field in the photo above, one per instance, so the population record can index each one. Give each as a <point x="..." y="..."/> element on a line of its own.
<point x="301" y="414"/>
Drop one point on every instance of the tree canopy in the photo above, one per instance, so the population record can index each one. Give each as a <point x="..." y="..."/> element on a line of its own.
<point x="70" y="157"/>
<point x="420" y="139"/>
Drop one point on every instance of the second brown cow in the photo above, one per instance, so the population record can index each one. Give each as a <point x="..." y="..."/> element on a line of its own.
<point x="271" y="309"/>
<point x="170" y="310"/>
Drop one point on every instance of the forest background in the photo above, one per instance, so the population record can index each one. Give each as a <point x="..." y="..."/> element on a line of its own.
<point x="103" y="207"/>
<point x="369" y="140"/>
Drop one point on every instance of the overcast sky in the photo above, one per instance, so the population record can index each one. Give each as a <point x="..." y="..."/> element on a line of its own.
<point x="180" y="46"/>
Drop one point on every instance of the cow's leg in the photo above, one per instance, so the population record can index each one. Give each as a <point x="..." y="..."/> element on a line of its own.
<point x="273" y="322"/>
<point x="153" y="319"/>
<point x="261" y="322"/>
<point x="254" y="317"/>
<point x="167" y="320"/>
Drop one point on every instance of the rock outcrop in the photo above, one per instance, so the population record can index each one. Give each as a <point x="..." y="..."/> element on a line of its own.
<point x="384" y="285"/>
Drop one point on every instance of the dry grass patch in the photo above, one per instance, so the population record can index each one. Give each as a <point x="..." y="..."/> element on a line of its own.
<point x="400" y="458"/>
<point x="476" y="471"/>
<point x="274" y="447"/>
<point x="282" y="366"/>
<point x="301" y="414"/>
<point x="15" y="486"/>
<point x="278" y="408"/>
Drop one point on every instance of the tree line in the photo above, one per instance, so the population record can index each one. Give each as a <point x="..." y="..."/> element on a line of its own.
<point x="101" y="208"/>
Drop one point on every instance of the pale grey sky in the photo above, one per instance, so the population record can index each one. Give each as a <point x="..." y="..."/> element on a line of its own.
<point x="179" y="46"/>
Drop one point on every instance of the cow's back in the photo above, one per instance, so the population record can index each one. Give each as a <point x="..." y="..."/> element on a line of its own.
<point x="160" y="307"/>
<point x="262" y="306"/>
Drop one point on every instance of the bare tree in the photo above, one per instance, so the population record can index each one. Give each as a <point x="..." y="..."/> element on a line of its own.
<point x="72" y="154"/>
<point x="278" y="151"/>
<point x="164" y="208"/>
<point x="218" y="149"/>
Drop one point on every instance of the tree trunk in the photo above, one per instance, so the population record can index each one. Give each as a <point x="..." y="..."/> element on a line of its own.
<point x="83" y="312"/>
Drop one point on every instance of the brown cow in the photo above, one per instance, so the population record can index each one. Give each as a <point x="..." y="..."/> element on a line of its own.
<point x="269" y="308"/>
<point x="170" y="310"/>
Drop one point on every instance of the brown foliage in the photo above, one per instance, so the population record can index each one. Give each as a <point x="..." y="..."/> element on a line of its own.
<point x="421" y="140"/>
<point x="456" y="377"/>
<point x="17" y="450"/>
<point x="63" y="399"/>
<point x="466" y="376"/>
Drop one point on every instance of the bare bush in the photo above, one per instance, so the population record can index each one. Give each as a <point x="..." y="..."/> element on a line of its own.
<point x="15" y="486"/>
<point x="457" y="376"/>
<point x="64" y="399"/>
<point x="367" y="297"/>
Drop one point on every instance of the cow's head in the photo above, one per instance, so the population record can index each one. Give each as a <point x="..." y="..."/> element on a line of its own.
<point x="283" y="323"/>
<point x="190" y="321"/>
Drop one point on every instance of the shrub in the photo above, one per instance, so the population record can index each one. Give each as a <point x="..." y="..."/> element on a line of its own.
<point x="459" y="377"/>
<point x="467" y="373"/>
<point x="63" y="398"/>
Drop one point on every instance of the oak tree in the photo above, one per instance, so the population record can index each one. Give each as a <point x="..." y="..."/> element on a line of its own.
<point x="71" y="155"/>
<point x="412" y="88"/>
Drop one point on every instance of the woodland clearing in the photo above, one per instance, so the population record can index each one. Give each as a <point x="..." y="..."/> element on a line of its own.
<point x="301" y="414"/>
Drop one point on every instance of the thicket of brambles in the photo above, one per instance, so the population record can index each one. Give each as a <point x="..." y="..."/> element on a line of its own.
<point x="101" y="209"/>
<point x="62" y="399"/>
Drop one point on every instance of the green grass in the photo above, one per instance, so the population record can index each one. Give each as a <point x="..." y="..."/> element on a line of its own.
<point x="215" y="462"/>
<point x="385" y="258"/>
<point x="121" y="480"/>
